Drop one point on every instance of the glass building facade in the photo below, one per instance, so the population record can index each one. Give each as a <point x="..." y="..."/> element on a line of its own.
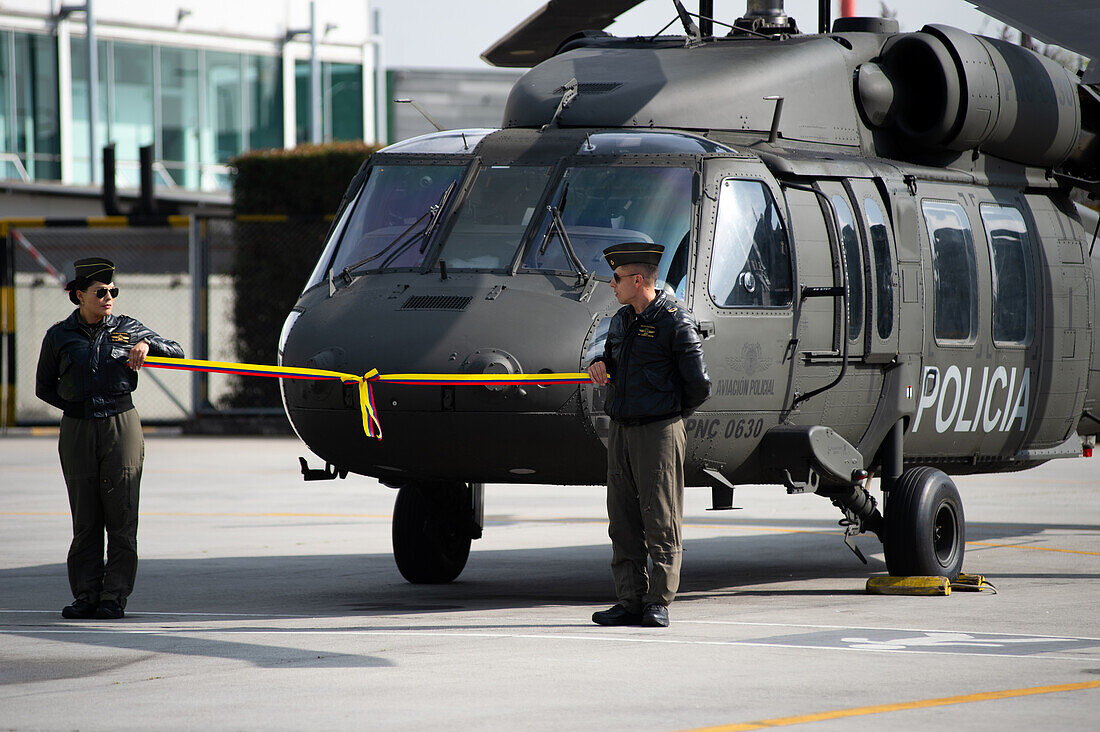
<point x="30" y="130"/>
<point x="197" y="107"/>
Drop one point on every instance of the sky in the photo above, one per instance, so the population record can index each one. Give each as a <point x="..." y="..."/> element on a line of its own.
<point x="453" y="33"/>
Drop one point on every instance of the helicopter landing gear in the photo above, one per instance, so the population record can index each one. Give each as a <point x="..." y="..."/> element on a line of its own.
<point x="433" y="525"/>
<point x="924" y="527"/>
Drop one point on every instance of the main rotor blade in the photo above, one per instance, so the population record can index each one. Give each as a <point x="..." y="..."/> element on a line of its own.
<point x="535" y="39"/>
<point x="1071" y="24"/>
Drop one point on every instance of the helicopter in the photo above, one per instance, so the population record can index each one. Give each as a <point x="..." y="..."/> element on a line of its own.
<point x="874" y="230"/>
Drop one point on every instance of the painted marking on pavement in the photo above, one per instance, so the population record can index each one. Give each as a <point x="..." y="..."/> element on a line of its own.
<point x="1036" y="548"/>
<point x="91" y="628"/>
<point x="900" y="707"/>
<point x="1010" y="645"/>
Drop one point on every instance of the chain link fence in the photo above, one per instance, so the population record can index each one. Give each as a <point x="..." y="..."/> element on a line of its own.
<point x="251" y="269"/>
<point x="220" y="286"/>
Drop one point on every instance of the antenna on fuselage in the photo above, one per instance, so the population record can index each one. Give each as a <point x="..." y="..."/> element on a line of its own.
<point x="422" y="111"/>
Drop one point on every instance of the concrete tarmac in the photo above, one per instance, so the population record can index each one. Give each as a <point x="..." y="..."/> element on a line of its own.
<point x="263" y="602"/>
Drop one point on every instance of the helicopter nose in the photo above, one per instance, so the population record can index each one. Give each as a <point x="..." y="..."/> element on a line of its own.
<point x="493" y="361"/>
<point x="464" y="431"/>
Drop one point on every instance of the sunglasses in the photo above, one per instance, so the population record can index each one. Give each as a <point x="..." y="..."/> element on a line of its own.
<point x="619" y="278"/>
<point x="102" y="292"/>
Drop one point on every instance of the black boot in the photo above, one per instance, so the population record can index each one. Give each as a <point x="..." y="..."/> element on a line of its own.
<point x="616" y="615"/>
<point x="109" y="610"/>
<point x="655" y="616"/>
<point x="79" y="610"/>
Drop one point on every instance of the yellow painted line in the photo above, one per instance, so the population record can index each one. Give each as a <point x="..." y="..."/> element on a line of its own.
<point x="6" y="225"/>
<point x="107" y="222"/>
<point x="262" y="218"/>
<point x="901" y="707"/>
<point x="1036" y="548"/>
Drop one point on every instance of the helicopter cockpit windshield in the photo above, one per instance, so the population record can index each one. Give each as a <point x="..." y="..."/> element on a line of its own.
<point x="492" y="220"/>
<point x="389" y="225"/>
<point x="604" y="205"/>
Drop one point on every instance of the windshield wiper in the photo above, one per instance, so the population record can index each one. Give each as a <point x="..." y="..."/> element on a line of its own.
<point x="433" y="211"/>
<point x="424" y="235"/>
<point x="557" y="226"/>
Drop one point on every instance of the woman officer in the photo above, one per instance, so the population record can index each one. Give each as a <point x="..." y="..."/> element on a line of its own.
<point x="88" y="368"/>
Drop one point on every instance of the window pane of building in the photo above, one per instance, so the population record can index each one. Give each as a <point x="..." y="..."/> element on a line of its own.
<point x="344" y="94"/>
<point x="132" y="107"/>
<point x="954" y="272"/>
<point x="224" y="107"/>
<point x="1010" y="257"/>
<point x="7" y="169"/>
<point x="79" y="50"/>
<point x="265" y="94"/>
<point x="179" y="111"/>
<point x="341" y="103"/>
<point x="301" y="102"/>
<point x="31" y="127"/>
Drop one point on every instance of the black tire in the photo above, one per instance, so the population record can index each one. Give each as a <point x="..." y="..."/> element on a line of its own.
<point x="924" y="526"/>
<point x="431" y="533"/>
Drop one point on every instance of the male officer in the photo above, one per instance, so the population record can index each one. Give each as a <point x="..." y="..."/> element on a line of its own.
<point x="653" y="363"/>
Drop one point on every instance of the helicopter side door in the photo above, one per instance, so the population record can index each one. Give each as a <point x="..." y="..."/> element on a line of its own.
<point x="745" y="297"/>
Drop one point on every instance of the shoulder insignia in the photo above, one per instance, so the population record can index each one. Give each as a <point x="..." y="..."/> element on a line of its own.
<point x="120" y="338"/>
<point x="672" y="310"/>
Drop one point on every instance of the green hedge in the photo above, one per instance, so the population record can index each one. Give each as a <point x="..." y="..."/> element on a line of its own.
<point x="273" y="259"/>
<point x="306" y="181"/>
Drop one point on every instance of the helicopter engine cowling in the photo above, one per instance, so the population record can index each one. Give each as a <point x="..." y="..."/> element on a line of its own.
<point x="944" y="89"/>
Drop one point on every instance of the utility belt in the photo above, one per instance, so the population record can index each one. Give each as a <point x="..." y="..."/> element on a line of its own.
<point x="93" y="407"/>
<point x="639" y="421"/>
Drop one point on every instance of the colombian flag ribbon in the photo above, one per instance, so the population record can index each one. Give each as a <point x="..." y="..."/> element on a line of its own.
<point x="371" y="426"/>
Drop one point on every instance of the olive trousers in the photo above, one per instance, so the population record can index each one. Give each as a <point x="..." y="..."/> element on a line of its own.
<point x="645" y="509"/>
<point x="102" y="460"/>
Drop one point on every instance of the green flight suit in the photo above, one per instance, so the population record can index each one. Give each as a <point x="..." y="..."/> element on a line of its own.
<point x="645" y="505"/>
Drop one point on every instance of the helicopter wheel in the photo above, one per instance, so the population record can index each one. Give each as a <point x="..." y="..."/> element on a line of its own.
<point x="924" y="526"/>
<point x="432" y="531"/>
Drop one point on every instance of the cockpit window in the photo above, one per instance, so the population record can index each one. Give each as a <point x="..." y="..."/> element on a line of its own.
<point x="648" y="143"/>
<point x="390" y="225"/>
<point x="490" y="224"/>
<point x="601" y="206"/>
<point x="451" y="142"/>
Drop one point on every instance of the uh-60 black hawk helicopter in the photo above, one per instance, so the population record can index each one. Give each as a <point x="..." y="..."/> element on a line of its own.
<point x="874" y="230"/>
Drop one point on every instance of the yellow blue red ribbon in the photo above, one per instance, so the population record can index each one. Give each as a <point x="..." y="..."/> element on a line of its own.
<point x="371" y="425"/>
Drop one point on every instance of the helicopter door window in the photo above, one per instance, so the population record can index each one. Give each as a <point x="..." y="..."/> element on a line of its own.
<point x="491" y="222"/>
<point x="751" y="264"/>
<point x="853" y="263"/>
<point x="604" y="205"/>
<point x="884" y="282"/>
<point x="954" y="272"/>
<point x="1010" y="257"/>
<point x="393" y="216"/>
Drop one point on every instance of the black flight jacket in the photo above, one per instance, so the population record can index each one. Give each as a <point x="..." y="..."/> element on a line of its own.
<point x="655" y="362"/>
<point x="89" y="378"/>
